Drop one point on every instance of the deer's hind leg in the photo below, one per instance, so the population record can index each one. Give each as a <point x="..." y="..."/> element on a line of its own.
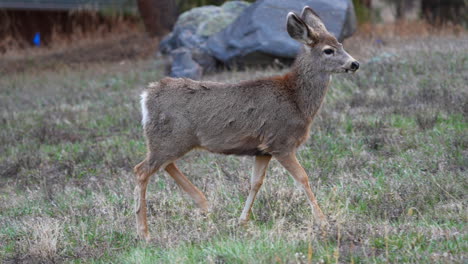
<point x="143" y="172"/>
<point x="163" y="151"/>
<point x="186" y="185"/>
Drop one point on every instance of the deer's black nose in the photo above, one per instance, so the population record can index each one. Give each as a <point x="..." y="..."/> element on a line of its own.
<point x="354" y="65"/>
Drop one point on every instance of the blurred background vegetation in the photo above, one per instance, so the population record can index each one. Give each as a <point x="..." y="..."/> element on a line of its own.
<point x="436" y="12"/>
<point x="184" y="5"/>
<point x="20" y="21"/>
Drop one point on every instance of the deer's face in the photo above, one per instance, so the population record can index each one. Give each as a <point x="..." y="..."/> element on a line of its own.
<point x="331" y="56"/>
<point x="321" y="48"/>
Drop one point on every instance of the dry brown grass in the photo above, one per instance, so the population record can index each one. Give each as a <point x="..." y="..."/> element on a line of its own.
<point x="408" y="30"/>
<point x="400" y="35"/>
<point x="80" y="28"/>
<point x="46" y="233"/>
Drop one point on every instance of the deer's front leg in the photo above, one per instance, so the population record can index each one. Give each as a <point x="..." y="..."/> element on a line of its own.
<point x="291" y="164"/>
<point x="256" y="181"/>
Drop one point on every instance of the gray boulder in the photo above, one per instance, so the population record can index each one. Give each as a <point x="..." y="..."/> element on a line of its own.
<point x="260" y="31"/>
<point x="194" y="27"/>
<point x="184" y="66"/>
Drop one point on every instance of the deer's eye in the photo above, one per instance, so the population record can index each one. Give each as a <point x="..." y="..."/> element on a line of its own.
<point x="328" y="51"/>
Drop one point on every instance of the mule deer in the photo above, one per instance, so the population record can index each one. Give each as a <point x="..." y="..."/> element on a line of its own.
<point x="264" y="118"/>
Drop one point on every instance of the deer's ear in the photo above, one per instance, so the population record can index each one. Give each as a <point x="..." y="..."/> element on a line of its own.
<point x="311" y="18"/>
<point x="299" y="30"/>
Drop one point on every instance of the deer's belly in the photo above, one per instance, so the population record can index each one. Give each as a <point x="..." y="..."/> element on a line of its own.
<point x="244" y="152"/>
<point x="242" y="147"/>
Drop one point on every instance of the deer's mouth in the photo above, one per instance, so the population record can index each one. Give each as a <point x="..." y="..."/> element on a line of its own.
<point x="348" y="70"/>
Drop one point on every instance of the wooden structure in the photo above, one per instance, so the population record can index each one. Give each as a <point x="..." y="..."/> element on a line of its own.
<point x="67" y="5"/>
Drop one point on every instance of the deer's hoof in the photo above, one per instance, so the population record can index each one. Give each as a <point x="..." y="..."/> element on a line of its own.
<point x="243" y="222"/>
<point x="144" y="237"/>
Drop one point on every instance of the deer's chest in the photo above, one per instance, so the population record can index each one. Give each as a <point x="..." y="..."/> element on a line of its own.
<point x="288" y="135"/>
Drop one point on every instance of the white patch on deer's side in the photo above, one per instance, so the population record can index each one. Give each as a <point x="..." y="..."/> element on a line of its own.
<point x="144" y="108"/>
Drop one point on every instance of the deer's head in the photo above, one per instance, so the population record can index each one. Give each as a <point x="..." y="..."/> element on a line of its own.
<point x="321" y="48"/>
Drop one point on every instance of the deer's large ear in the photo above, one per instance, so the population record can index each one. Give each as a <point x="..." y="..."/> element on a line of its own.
<point x="299" y="30"/>
<point x="312" y="19"/>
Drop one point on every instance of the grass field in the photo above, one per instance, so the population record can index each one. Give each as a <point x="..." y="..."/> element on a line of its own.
<point x="387" y="159"/>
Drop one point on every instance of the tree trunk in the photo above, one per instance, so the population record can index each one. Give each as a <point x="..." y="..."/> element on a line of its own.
<point x="158" y="15"/>
<point x="442" y="11"/>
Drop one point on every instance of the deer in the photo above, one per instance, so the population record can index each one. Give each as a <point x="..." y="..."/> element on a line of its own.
<point x="265" y="118"/>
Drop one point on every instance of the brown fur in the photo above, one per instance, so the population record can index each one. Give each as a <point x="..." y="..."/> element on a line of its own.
<point x="264" y="117"/>
<point x="229" y="119"/>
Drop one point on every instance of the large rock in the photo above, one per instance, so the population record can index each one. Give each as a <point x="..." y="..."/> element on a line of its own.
<point x="192" y="30"/>
<point x="260" y="31"/>
<point x="184" y="66"/>
<point x="196" y="25"/>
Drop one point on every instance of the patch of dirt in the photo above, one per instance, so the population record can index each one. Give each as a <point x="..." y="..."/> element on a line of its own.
<point x="9" y="170"/>
<point x="112" y="49"/>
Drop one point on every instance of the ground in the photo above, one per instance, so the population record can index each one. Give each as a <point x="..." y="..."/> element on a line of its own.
<point x="387" y="159"/>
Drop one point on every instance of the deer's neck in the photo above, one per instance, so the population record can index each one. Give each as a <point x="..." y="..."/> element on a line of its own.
<point x="311" y="87"/>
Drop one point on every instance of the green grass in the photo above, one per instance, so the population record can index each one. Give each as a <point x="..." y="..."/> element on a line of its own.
<point x="387" y="160"/>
